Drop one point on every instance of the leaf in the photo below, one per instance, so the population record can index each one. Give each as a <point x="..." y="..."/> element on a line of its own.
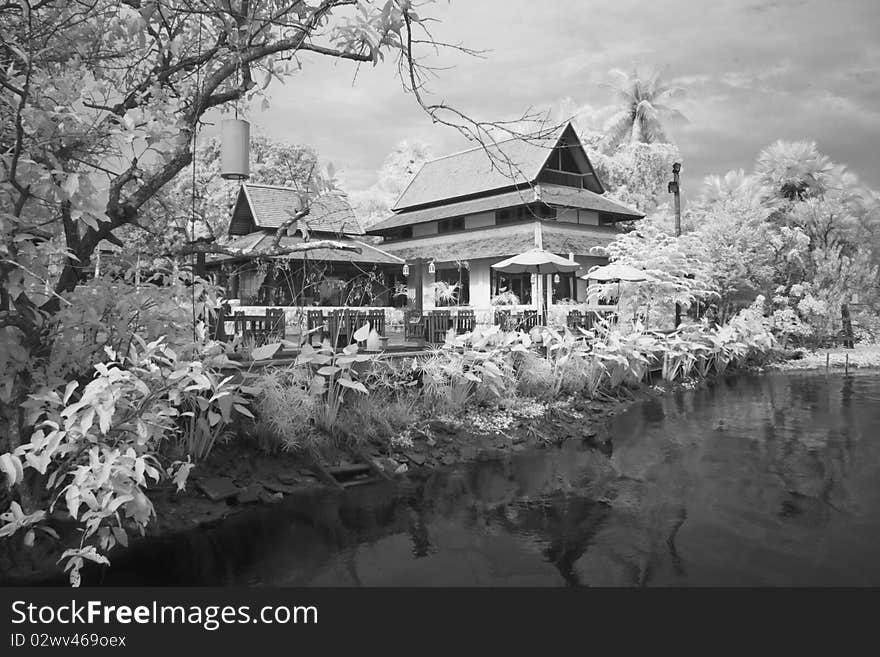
<point x="11" y="466"/>
<point x="362" y="333"/>
<point x="329" y="370"/>
<point x="121" y="536"/>
<point x="265" y="352"/>
<point x="72" y="498"/>
<point x="243" y="410"/>
<point x="354" y="385"/>
<point x="71" y="386"/>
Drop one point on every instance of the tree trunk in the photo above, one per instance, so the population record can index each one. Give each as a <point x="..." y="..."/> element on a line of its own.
<point x="848" y="338"/>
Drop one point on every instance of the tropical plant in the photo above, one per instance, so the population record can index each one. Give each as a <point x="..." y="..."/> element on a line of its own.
<point x="793" y="171"/>
<point x="332" y="374"/>
<point x="99" y="448"/>
<point x="284" y="409"/>
<point x="505" y="299"/>
<point x="644" y="103"/>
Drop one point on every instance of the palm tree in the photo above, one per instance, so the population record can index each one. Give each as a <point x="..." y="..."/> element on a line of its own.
<point x="734" y="185"/>
<point x="795" y="170"/>
<point x="644" y="101"/>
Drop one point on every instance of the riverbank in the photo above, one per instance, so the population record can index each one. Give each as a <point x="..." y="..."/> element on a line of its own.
<point x="239" y="477"/>
<point x="862" y="356"/>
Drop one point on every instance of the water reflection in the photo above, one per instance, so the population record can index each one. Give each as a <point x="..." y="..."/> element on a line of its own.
<point x="771" y="480"/>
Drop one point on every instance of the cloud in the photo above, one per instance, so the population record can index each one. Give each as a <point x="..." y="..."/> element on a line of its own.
<point x="753" y="73"/>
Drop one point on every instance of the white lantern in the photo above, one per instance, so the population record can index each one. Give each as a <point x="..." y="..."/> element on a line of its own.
<point x="235" y="149"/>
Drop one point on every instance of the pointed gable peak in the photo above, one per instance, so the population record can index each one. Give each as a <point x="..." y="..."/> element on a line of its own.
<point x="474" y="172"/>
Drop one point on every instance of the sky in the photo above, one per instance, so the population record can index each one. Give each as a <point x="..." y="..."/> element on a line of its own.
<point x="753" y="72"/>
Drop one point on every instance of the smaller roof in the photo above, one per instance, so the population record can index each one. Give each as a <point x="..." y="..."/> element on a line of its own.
<point x="536" y="261"/>
<point x="617" y="272"/>
<point x="272" y="205"/>
<point x="252" y="245"/>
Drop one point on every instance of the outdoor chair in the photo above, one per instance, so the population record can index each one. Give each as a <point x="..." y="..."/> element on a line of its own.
<point x="376" y="319"/>
<point x="240" y="327"/>
<point x="315" y="320"/>
<point x="413" y="325"/>
<point x="338" y="327"/>
<point x="529" y="320"/>
<point x="575" y="320"/>
<point x="276" y="321"/>
<point x="437" y="325"/>
<point x="465" y="321"/>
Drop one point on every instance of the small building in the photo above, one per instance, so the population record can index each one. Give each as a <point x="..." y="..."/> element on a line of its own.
<point x="464" y="212"/>
<point x="320" y="277"/>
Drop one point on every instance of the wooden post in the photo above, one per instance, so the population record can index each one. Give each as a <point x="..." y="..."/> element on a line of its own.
<point x="675" y="190"/>
<point x="827" y="360"/>
<point x="846" y="365"/>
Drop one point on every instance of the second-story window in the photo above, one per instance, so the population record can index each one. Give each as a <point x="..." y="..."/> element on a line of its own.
<point x="525" y="213"/>
<point x="450" y="225"/>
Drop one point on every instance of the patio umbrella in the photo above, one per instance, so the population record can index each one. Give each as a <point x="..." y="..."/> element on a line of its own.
<point x="617" y="272"/>
<point x="537" y="261"/>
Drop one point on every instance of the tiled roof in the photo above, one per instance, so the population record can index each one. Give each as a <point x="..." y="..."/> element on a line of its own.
<point x="272" y="206"/>
<point x="502" y="242"/>
<point x="254" y="243"/>
<point x="484" y="243"/>
<point x="562" y="238"/>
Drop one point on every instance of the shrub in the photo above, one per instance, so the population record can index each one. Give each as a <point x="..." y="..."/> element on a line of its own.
<point x="98" y="449"/>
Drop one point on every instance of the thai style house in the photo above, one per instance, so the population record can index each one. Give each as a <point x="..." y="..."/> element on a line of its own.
<point x="320" y="277"/>
<point x="464" y="212"/>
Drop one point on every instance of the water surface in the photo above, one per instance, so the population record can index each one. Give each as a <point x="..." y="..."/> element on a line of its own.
<point x="754" y="480"/>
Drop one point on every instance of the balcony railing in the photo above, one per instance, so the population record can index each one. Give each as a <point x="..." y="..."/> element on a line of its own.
<point x="564" y="178"/>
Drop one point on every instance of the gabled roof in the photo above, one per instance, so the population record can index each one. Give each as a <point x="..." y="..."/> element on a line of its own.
<point x="472" y="172"/>
<point x="271" y="206"/>
<point x="255" y="243"/>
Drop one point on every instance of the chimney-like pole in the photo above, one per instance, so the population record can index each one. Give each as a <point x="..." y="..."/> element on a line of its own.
<point x="675" y="190"/>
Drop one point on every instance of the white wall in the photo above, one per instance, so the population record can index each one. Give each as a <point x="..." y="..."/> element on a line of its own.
<point x="480" y="277"/>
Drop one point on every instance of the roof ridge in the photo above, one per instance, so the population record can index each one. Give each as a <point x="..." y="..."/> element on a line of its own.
<point x="557" y="133"/>
<point x="338" y="192"/>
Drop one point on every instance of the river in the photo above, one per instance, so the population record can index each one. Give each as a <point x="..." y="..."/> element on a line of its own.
<point x="751" y="480"/>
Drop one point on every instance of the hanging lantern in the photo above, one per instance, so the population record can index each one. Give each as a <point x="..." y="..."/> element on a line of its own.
<point x="235" y="148"/>
<point x="406" y="269"/>
<point x="556" y="279"/>
<point x="431" y="267"/>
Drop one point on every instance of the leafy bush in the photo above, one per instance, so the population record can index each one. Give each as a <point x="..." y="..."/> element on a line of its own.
<point x="98" y="449"/>
<point x="109" y="310"/>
